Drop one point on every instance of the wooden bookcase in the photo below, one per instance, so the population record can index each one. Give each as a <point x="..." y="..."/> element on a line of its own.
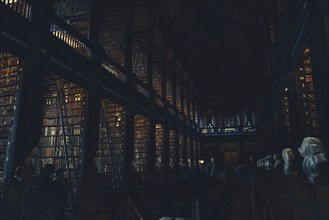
<point x="139" y="59"/>
<point x="185" y="97"/>
<point x="63" y="107"/>
<point x="307" y="95"/>
<point x="286" y="118"/>
<point x="141" y="137"/>
<point x="172" y="146"/>
<point x="76" y="13"/>
<point x="111" y="141"/>
<point x="159" y="144"/>
<point x="191" y="108"/>
<point x="156" y="76"/>
<point x="178" y="95"/>
<point x="181" y="146"/>
<point x="11" y="73"/>
<point x="169" y="90"/>
<point x="113" y="28"/>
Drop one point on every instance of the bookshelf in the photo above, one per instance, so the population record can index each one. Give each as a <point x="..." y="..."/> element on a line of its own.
<point x="111" y="141"/>
<point x="159" y="142"/>
<point x="141" y="142"/>
<point x="66" y="99"/>
<point x="169" y="90"/>
<point x="172" y="146"/>
<point x="11" y="72"/>
<point x="181" y="146"/>
<point x="156" y="76"/>
<point x="113" y="29"/>
<point x="139" y="60"/>
<point x="178" y="95"/>
<point x="76" y="13"/>
<point x="286" y="117"/>
<point x="307" y="95"/>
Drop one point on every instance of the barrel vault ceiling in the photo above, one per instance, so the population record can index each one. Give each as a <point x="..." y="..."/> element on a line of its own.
<point x="219" y="43"/>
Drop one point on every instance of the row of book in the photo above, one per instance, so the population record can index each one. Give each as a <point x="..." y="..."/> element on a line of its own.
<point x="54" y="113"/>
<point x="46" y="141"/>
<point x="10" y="71"/>
<point x="112" y="37"/>
<point x="56" y="121"/>
<point x="111" y="139"/>
<point x="172" y="144"/>
<point x="59" y="151"/>
<point x="156" y="79"/>
<point x="51" y="140"/>
<point x="159" y="142"/>
<point x="141" y="141"/>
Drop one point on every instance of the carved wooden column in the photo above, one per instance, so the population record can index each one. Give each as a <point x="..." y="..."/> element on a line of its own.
<point x="29" y="114"/>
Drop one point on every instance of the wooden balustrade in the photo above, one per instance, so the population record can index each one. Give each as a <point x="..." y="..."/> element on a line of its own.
<point x="63" y="31"/>
<point x="21" y="7"/>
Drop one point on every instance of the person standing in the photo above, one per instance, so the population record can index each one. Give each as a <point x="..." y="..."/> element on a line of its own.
<point x="40" y="197"/>
<point x="13" y="195"/>
<point x="62" y="188"/>
<point x="33" y="162"/>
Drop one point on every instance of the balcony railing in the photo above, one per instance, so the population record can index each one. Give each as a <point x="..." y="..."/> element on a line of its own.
<point x="228" y="130"/>
<point x="63" y="31"/>
<point x="21" y="7"/>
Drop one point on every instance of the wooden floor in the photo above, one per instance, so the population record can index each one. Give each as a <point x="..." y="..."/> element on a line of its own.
<point x="228" y="200"/>
<point x="289" y="197"/>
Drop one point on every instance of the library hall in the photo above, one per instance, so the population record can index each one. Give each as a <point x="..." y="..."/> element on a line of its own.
<point x="164" y="109"/>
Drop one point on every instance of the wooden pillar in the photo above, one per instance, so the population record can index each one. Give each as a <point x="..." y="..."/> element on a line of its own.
<point x="94" y="21"/>
<point x="29" y="114"/>
<point x="129" y="149"/>
<point x="130" y="108"/>
<point x="89" y="191"/>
